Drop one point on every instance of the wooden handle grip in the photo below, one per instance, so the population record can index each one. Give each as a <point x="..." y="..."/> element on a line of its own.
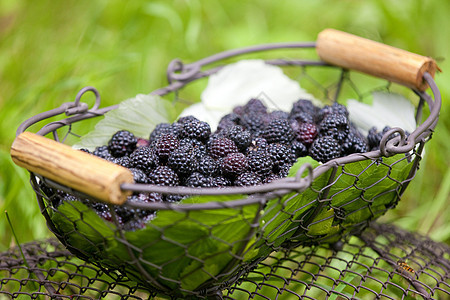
<point x="76" y="169"/>
<point x="377" y="59"/>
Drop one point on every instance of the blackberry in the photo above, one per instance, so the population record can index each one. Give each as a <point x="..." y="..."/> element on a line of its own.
<point x="198" y="148"/>
<point x="257" y="144"/>
<point x="241" y="137"/>
<point x="248" y="179"/>
<point x="325" y="148"/>
<point x="165" y="145"/>
<point x="354" y="144"/>
<point x="280" y="155"/>
<point x="335" y="125"/>
<point x="303" y="106"/>
<point x="208" y="166"/>
<point x="254" y="122"/>
<point x="260" y="162"/>
<point x="335" y="108"/>
<point x="195" y="129"/>
<point x="278" y="131"/>
<point x="164" y="128"/>
<point x="144" y="158"/>
<point x="172" y="198"/>
<point x="102" y="151"/>
<point x="220" y="147"/>
<point x="228" y="121"/>
<point x="139" y="176"/>
<point x="85" y="150"/>
<point x="374" y="137"/>
<point x="277" y="114"/>
<point x="197" y="179"/>
<point x="145" y="198"/>
<point x="122" y="143"/>
<point x="306" y="133"/>
<point x="255" y="106"/>
<point x="220" y="181"/>
<point x="183" y="161"/>
<point x="299" y="149"/>
<point x="187" y="119"/>
<point x="163" y="175"/>
<point x="123" y="161"/>
<point x="271" y="177"/>
<point x="125" y="213"/>
<point x="234" y="164"/>
<point x="302" y="117"/>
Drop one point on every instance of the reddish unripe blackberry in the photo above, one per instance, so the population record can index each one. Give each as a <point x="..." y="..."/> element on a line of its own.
<point x="220" y="147"/>
<point x="195" y="129"/>
<point x="324" y="149"/>
<point x="278" y="131"/>
<point x="240" y="136"/>
<point x="208" y="166"/>
<point x="248" y="179"/>
<point x="164" y="145"/>
<point x="144" y="158"/>
<point x="163" y="175"/>
<point x="234" y="164"/>
<point x="306" y="133"/>
<point x="335" y="125"/>
<point x="183" y="161"/>
<point x="122" y="143"/>
<point x="260" y="162"/>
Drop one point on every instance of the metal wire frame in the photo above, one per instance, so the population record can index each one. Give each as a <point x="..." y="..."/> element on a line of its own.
<point x="366" y="267"/>
<point x="179" y="76"/>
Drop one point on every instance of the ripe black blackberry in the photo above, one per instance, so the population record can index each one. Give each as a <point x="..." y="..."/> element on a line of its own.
<point x="198" y="148"/>
<point x="145" y="198"/>
<point x="306" y="133"/>
<point x="278" y="131"/>
<point x="280" y="155"/>
<point x="161" y="128"/>
<point x="228" y="121"/>
<point x="260" y="162"/>
<point x="122" y="143"/>
<point x="240" y="136"/>
<point x="164" y="145"/>
<point x="123" y="161"/>
<point x="248" y="179"/>
<point x="208" y="166"/>
<point x="354" y="144"/>
<point x="144" y="158"/>
<point x="302" y="117"/>
<point x="173" y="198"/>
<point x="325" y="148"/>
<point x="335" y="125"/>
<point x="183" y="161"/>
<point x="139" y="175"/>
<point x="254" y="122"/>
<point x="257" y="144"/>
<point x="277" y="114"/>
<point x="234" y="164"/>
<point x="220" y="147"/>
<point x="197" y="179"/>
<point x="163" y="175"/>
<point x="195" y="129"/>
<point x="335" y="108"/>
<point x="254" y="106"/>
<point x="220" y="181"/>
<point x="303" y="106"/>
<point x="374" y="137"/>
<point x="102" y="151"/>
<point x="299" y="149"/>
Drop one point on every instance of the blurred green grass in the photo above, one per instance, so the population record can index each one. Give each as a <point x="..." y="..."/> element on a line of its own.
<point x="51" y="49"/>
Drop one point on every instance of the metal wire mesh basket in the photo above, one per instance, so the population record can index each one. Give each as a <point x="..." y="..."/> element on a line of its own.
<point x="204" y="243"/>
<point x="384" y="262"/>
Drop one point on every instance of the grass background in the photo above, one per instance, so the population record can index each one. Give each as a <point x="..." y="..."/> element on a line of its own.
<point x="51" y="49"/>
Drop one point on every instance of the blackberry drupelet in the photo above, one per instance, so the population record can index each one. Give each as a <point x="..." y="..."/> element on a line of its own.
<point x="122" y="143"/>
<point x="325" y="148"/>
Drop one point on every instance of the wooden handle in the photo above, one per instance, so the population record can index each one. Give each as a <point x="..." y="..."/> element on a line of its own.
<point x="377" y="59"/>
<point x="79" y="170"/>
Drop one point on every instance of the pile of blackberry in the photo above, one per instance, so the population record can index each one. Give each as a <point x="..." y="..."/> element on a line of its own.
<point x="250" y="146"/>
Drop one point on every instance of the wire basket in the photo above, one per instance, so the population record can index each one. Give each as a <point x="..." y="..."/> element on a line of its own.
<point x="207" y="241"/>
<point x="385" y="262"/>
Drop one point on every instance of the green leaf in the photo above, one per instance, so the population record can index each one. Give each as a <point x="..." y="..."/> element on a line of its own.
<point x="322" y="223"/>
<point x="138" y="115"/>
